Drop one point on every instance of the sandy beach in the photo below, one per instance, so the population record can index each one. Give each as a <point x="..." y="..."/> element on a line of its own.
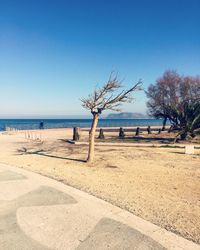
<point x="160" y="185"/>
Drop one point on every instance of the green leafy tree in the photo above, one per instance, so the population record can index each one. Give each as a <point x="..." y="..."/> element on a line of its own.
<point x="188" y="118"/>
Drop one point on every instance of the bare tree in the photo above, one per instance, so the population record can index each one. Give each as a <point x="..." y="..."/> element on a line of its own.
<point x="171" y="90"/>
<point x="108" y="97"/>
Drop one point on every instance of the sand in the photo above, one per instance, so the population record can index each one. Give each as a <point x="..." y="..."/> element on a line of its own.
<point x="161" y="185"/>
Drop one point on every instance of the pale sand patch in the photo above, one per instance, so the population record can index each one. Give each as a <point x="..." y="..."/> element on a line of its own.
<point x="161" y="185"/>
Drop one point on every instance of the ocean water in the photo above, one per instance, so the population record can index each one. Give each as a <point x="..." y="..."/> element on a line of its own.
<point x="22" y="124"/>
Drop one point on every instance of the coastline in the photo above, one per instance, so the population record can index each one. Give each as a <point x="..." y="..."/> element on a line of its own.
<point x="111" y="129"/>
<point x="27" y="124"/>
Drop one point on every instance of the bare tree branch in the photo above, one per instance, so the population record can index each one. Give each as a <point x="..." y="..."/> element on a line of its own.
<point x="109" y="97"/>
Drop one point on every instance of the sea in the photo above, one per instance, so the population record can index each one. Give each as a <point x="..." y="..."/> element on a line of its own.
<point x="28" y="124"/>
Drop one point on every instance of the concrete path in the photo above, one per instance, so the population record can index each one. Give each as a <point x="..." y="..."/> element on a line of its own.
<point x="39" y="213"/>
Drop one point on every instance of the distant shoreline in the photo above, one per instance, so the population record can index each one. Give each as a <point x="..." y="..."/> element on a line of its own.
<point x="33" y="124"/>
<point x="101" y="118"/>
<point x="106" y="129"/>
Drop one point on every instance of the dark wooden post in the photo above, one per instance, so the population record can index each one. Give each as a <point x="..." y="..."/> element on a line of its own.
<point x="101" y="134"/>
<point x="121" y="133"/>
<point x="164" y="124"/>
<point x="149" y="129"/>
<point x="170" y="129"/>
<point x="137" y="131"/>
<point x="76" y="135"/>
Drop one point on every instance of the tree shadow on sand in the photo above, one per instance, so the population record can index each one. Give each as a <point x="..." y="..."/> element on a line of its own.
<point x="41" y="152"/>
<point x="153" y="139"/>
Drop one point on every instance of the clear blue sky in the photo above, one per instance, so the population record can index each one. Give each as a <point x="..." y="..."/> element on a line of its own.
<point x="54" y="52"/>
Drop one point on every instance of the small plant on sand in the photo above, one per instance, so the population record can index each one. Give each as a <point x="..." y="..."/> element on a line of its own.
<point x="109" y="97"/>
<point x="189" y="119"/>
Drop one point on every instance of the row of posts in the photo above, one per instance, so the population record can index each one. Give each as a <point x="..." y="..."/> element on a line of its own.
<point x="76" y="133"/>
<point x="33" y="136"/>
<point x="137" y="132"/>
<point x="10" y="129"/>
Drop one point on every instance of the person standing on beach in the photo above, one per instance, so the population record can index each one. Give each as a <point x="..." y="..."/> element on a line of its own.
<point x="41" y="125"/>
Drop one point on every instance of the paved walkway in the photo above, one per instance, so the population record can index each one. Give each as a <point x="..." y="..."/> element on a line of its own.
<point x="39" y="213"/>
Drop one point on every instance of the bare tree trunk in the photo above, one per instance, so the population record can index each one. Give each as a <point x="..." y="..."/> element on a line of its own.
<point x="164" y="124"/>
<point x="183" y="135"/>
<point x="92" y="138"/>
